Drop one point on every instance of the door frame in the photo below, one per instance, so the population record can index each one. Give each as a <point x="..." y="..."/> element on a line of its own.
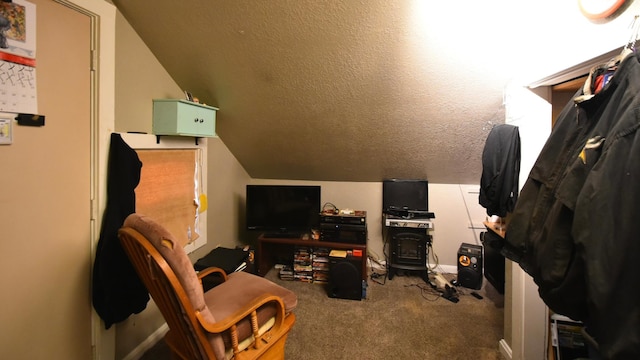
<point x="102" y="17"/>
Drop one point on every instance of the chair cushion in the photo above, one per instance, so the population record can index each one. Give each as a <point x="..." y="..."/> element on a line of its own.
<point x="239" y="290"/>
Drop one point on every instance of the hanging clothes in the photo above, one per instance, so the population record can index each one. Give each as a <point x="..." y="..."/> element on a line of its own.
<point x="117" y="290"/>
<point x="500" y="170"/>
<point x="574" y="228"/>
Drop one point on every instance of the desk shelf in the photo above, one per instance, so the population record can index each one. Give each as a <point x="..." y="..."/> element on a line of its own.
<point x="270" y="248"/>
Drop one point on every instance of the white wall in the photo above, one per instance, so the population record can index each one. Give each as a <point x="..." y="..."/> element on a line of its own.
<point x="554" y="36"/>
<point x="525" y="318"/>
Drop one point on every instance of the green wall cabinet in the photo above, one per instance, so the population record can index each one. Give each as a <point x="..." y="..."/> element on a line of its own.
<point x="183" y="118"/>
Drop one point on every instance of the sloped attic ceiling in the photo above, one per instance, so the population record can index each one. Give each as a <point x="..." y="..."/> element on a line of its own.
<point x="344" y="90"/>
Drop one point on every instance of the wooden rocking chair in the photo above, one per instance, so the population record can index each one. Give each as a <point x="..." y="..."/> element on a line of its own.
<point x="245" y="317"/>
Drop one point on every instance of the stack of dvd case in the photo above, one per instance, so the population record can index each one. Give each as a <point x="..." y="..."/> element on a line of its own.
<point x="320" y="265"/>
<point x="302" y="266"/>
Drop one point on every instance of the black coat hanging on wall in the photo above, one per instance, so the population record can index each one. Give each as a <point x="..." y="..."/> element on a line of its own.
<point x="117" y="290"/>
<point x="500" y="170"/>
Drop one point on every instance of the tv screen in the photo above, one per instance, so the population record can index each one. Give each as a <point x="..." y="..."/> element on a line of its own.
<point x="283" y="209"/>
<point x="405" y="195"/>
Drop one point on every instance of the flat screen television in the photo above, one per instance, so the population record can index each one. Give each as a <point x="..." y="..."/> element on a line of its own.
<point x="282" y="210"/>
<point x="401" y="194"/>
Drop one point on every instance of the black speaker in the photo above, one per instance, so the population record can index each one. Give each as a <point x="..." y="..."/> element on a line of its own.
<point x="345" y="277"/>
<point x="470" y="266"/>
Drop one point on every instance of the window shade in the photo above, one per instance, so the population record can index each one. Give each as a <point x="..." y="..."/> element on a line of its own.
<point x="167" y="190"/>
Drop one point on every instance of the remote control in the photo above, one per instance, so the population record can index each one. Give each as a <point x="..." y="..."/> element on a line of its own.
<point x="476" y="295"/>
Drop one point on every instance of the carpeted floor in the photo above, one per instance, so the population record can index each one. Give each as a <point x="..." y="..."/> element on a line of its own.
<point x="401" y="318"/>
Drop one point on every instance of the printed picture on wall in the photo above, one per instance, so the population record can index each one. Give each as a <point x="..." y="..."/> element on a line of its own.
<point x="18" y="57"/>
<point x="12" y="23"/>
<point x="17" y="28"/>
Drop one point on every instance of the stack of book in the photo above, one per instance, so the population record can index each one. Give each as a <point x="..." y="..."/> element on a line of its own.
<point x="320" y="265"/>
<point x="302" y="267"/>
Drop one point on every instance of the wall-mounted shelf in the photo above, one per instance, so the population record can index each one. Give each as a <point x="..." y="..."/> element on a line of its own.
<point x="183" y="118"/>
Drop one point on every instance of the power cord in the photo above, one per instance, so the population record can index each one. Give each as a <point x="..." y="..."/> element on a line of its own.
<point x="433" y="254"/>
<point x="443" y="286"/>
<point x="425" y="291"/>
<point x="375" y="275"/>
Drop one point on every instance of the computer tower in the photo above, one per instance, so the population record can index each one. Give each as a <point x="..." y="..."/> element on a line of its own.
<point x="470" y="266"/>
<point x="345" y="277"/>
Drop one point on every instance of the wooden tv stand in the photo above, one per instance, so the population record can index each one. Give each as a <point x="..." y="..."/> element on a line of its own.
<point x="272" y="248"/>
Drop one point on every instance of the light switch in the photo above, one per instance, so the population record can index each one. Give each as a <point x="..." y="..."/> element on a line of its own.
<point x="6" y="131"/>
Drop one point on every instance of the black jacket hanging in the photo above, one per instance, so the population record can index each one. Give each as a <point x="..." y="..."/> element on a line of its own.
<point x="575" y="227"/>
<point x="500" y="170"/>
<point x="117" y="290"/>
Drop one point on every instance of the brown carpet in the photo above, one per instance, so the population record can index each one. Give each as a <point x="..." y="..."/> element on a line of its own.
<point x="401" y="319"/>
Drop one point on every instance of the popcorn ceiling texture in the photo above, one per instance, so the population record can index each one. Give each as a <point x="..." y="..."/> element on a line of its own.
<point x="338" y="90"/>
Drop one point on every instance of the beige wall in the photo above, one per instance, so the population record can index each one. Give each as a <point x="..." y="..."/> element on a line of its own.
<point x="139" y="79"/>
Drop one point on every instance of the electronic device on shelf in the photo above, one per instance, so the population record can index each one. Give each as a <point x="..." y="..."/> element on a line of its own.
<point x="358" y="217"/>
<point x="406" y="198"/>
<point x="282" y="210"/>
<point x="344" y="227"/>
<point x="343" y="233"/>
<point x="391" y="221"/>
<point x="409" y="214"/>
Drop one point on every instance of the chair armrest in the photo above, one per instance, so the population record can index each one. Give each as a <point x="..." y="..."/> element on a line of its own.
<point x="212" y="270"/>
<point x="231" y="320"/>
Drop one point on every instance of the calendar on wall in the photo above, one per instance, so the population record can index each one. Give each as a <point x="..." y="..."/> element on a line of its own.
<point x="18" y="90"/>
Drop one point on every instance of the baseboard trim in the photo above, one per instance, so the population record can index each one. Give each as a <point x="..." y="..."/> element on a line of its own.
<point x="448" y="269"/>
<point x="148" y="343"/>
<point x="445" y="269"/>
<point x="505" y="349"/>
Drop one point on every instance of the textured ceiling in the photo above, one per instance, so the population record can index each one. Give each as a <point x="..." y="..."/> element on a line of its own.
<point x="350" y="90"/>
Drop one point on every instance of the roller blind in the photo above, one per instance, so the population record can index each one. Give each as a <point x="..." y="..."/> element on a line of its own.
<point x="167" y="190"/>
